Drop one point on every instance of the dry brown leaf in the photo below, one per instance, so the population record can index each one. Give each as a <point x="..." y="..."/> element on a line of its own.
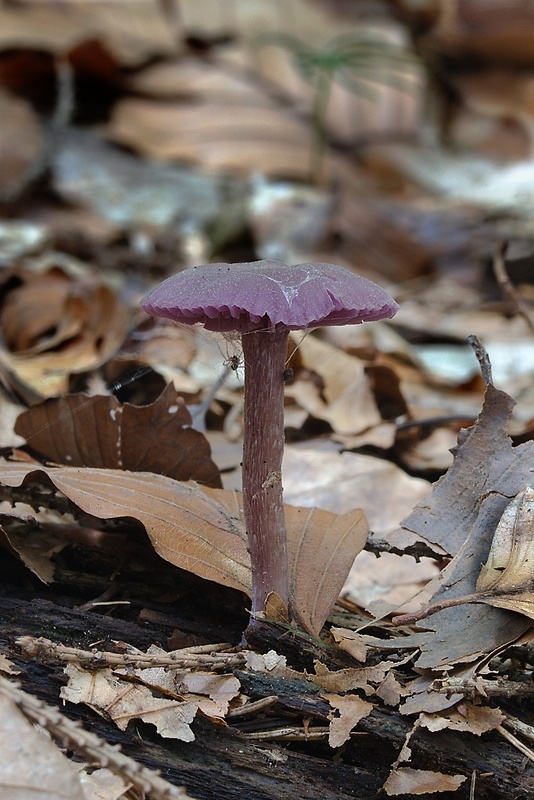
<point x="510" y="564"/>
<point x="20" y="141"/>
<point x="342" y="680"/>
<point x="349" y="115"/>
<point x="34" y="543"/>
<point x="340" y="481"/>
<point x="472" y="719"/>
<point x="346" y="680"/>
<point x="346" y="401"/>
<point x="422" y="697"/>
<point x="167" y="699"/>
<point x="404" y="780"/>
<point x="239" y="138"/>
<point x="322" y="547"/>
<point x="202" y="531"/>
<point x="102" y="784"/>
<point x="198" y="78"/>
<point x="78" y="430"/>
<point x="7" y="666"/>
<point x="431" y="453"/>
<point x="461" y="516"/>
<point x="211" y="20"/>
<point x="390" y="690"/>
<point x="212" y="693"/>
<point x="185" y="526"/>
<point x="378" y="584"/>
<point x="54" y="326"/>
<point x="372" y="238"/>
<point x="490" y="31"/>
<point x="209" y="692"/>
<point x="347" y="711"/>
<point x="38" y="536"/>
<point x="275" y="608"/>
<point x="351" y="642"/>
<point x="124" y="702"/>
<point x="132" y="38"/>
<point x="42" y="311"/>
<point x="493" y="97"/>
<point x="30" y="763"/>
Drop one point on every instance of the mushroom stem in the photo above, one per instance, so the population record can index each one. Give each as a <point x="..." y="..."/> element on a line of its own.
<point x="265" y="354"/>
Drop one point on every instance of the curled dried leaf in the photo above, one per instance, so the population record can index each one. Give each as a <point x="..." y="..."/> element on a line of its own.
<point x="507" y="578"/>
<point x="53" y="326"/>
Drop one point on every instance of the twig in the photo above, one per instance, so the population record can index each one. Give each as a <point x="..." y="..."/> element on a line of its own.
<point x="482" y="357"/>
<point x="518" y="726"/>
<point x="189" y="658"/>
<point x="39" y="496"/>
<point x="289" y="734"/>
<point x="516" y="743"/>
<point x="472" y="785"/>
<point x="433" y="608"/>
<point x="91" y="746"/>
<point x="480" y="687"/>
<point x="253" y="707"/>
<point x="503" y="279"/>
<point x="418" y="550"/>
<point x="427" y="611"/>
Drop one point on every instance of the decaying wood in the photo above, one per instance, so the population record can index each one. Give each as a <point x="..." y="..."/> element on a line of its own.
<point x="222" y="762"/>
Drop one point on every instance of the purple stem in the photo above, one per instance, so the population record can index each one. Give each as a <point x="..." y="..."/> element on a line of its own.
<point x="265" y="356"/>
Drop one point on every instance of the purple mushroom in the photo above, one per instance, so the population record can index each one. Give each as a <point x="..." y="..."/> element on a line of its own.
<point x="263" y="301"/>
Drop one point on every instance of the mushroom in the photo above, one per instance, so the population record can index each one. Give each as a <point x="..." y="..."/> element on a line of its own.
<point x="263" y="301"/>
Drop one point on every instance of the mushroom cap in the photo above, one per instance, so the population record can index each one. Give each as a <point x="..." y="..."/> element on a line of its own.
<point x="268" y="295"/>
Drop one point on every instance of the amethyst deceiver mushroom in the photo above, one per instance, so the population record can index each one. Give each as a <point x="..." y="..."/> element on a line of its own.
<point x="263" y="301"/>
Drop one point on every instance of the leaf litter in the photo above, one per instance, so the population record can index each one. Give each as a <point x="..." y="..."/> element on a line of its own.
<point x="201" y="530"/>
<point x="371" y="415"/>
